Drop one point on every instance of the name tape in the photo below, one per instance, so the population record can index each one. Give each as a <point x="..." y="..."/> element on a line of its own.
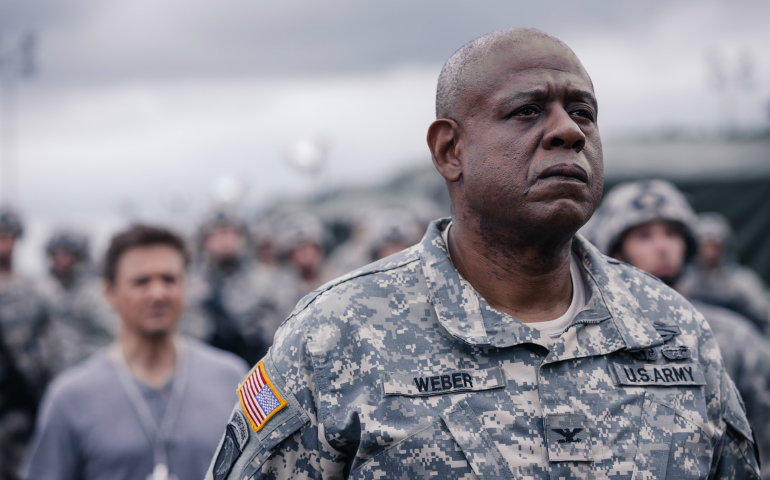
<point x="660" y="375"/>
<point x="417" y="385"/>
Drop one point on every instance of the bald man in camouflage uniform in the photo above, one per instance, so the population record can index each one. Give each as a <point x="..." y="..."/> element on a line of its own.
<point x="636" y="209"/>
<point x="444" y="361"/>
<point x="26" y="350"/>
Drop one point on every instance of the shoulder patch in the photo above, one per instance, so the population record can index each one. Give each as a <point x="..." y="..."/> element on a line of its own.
<point x="236" y="436"/>
<point x="259" y="398"/>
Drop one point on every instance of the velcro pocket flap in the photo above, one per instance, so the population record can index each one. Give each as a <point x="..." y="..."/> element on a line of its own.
<point x="485" y="458"/>
<point x="438" y="383"/>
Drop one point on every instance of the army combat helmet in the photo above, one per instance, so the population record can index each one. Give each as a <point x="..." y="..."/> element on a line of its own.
<point x="219" y="218"/>
<point x="297" y="229"/>
<point x="631" y="204"/>
<point x="68" y="241"/>
<point x="10" y="222"/>
<point x="714" y="227"/>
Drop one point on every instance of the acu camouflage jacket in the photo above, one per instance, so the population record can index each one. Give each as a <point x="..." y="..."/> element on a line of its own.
<point x="402" y="370"/>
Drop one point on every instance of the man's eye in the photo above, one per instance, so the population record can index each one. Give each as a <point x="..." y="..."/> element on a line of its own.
<point x="526" y="112"/>
<point x="584" y="112"/>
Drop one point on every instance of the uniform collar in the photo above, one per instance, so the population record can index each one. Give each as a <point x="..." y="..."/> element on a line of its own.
<point x="611" y="320"/>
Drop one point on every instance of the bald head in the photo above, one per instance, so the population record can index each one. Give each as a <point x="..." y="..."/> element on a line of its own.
<point x="460" y="71"/>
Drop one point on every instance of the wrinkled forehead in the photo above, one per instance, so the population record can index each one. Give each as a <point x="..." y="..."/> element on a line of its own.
<point x="534" y="62"/>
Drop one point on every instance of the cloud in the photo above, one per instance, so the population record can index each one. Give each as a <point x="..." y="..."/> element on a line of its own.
<point x="138" y="98"/>
<point x="90" y="40"/>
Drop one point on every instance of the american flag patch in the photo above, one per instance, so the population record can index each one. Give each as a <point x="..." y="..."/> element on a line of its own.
<point x="259" y="398"/>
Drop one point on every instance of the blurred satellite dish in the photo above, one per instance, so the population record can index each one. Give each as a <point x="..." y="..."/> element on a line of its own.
<point x="228" y="190"/>
<point x="307" y="156"/>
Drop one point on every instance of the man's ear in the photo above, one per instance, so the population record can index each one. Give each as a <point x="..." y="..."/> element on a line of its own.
<point x="446" y="148"/>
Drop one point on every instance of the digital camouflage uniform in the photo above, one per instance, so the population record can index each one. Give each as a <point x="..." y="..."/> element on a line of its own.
<point x="82" y="322"/>
<point x="402" y="370"/>
<point x="26" y="356"/>
<point x="26" y="362"/>
<point x="730" y="284"/>
<point x="745" y="351"/>
<point x="236" y="305"/>
<point x="248" y="303"/>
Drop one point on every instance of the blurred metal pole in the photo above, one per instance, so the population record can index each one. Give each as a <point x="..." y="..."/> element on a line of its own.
<point x="14" y="64"/>
<point x="7" y="138"/>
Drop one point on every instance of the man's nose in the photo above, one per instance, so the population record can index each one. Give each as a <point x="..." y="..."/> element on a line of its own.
<point x="158" y="290"/>
<point x="563" y="132"/>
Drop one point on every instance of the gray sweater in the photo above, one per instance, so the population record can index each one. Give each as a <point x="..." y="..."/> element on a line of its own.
<point x="88" y="429"/>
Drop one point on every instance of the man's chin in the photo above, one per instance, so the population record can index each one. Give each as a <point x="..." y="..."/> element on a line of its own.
<point x="157" y="331"/>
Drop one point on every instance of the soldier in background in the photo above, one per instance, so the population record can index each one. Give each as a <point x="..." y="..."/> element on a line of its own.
<point x="26" y="351"/>
<point x="81" y="320"/>
<point x="376" y="235"/>
<point x="395" y="231"/>
<point x="235" y="303"/>
<point x="649" y="224"/>
<point x="301" y="248"/>
<point x="716" y="278"/>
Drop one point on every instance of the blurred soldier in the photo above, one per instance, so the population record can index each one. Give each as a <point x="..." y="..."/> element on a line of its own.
<point x="502" y="345"/>
<point x="146" y="407"/>
<point x="377" y="235"/>
<point x="353" y="253"/>
<point x="718" y="279"/>
<point x="25" y="350"/>
<point x="395" y="231"/>
<point x="301" y="246"/>
<point x="81" y="320"/>
<point x="649" y="224"/>
<point x="236" y="304"/>
<point x="263" y="233"/>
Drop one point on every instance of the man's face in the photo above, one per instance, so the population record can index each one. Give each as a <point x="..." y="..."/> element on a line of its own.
<point x="7" y="242"/>
<point x="306" y="257"/>
<point x="710" y="253"/>
<point x="148" y="290"/>
<point x="657" y="247"/>
<point x="225" y="244"/>
<point x="534" y="156"/>
<point x="63" y="262"/>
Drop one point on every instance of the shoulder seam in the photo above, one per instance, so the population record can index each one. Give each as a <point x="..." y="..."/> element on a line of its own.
<point x="345" y="279"/>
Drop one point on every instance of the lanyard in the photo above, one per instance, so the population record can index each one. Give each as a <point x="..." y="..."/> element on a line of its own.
<point x="158" y="435"/>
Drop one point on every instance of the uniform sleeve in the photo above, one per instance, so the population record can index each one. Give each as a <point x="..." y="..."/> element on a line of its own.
<point x="736" y="454"/>
<point x="753" y="383"/>
<point x="53" y="451"/>
<point x="291" y="443"/>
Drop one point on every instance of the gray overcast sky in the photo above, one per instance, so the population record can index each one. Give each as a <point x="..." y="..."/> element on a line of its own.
<point x="86" y="41"/>
<point x="145" y="103"/>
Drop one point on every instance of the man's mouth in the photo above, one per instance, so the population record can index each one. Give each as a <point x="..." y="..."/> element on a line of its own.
<point x="564" y="172"/>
